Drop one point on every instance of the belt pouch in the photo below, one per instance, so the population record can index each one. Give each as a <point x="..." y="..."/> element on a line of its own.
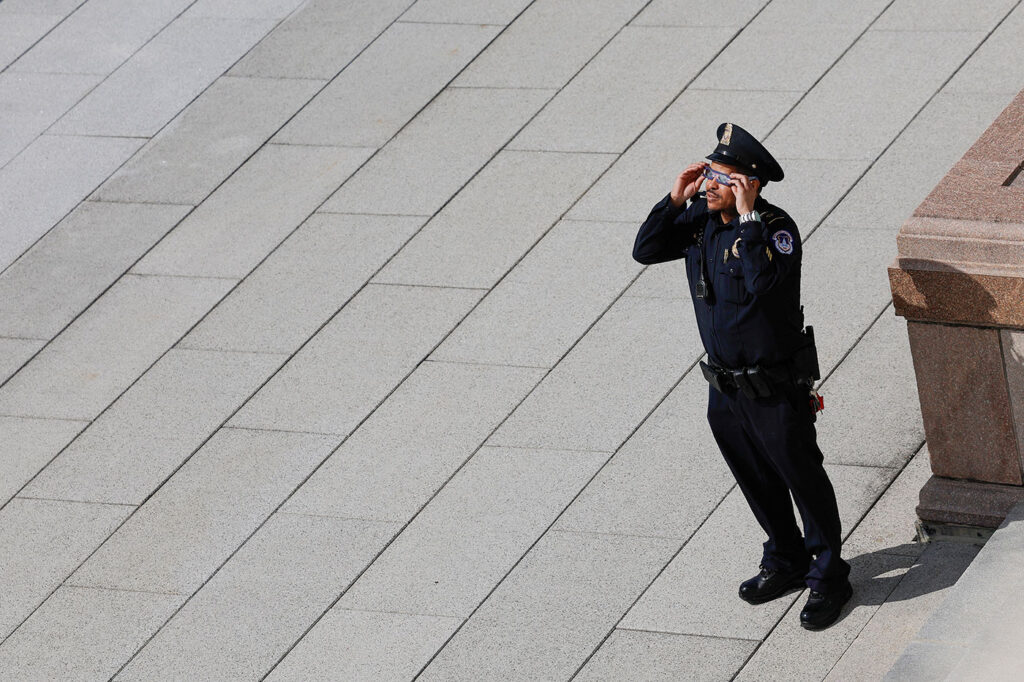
<point x="743" y="383"/>
<point x="759" y="382"/>
<point x="711" y="376"/>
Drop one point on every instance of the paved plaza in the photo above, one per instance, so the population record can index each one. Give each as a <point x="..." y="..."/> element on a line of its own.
<point x="323" y="354"/>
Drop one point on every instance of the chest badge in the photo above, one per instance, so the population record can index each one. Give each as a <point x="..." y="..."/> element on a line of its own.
<point x="783" y="242"/>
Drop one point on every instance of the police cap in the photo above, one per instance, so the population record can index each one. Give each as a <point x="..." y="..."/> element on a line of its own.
<point x="736" y="147"/>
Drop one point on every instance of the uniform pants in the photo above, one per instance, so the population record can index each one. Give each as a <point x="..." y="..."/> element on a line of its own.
<point x="770" y="446"/>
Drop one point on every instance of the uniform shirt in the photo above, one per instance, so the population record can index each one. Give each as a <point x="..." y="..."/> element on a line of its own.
<point x="753" y="315"/>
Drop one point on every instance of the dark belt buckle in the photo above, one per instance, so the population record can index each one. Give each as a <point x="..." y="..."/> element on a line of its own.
<point x="712" y="377"/>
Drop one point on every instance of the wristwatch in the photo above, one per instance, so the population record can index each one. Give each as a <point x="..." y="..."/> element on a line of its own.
<point x="747" y="217"/>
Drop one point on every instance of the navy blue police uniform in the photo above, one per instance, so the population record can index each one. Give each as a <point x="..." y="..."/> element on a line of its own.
<point x="744" y="279"/>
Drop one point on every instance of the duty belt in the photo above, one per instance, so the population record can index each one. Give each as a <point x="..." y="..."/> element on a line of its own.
<point x="753" y="382"/>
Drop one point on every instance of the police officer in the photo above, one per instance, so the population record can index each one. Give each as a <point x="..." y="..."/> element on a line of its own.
<point x="743" y="268"/>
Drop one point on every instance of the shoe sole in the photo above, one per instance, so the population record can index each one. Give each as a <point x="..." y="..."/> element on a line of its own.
<point x="821" y="626"/>
<point x="797" y="584"/>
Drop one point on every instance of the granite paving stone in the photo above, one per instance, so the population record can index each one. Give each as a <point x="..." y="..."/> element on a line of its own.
<point x="926" y="661"/>
<point x="263" y="599"/>
<point x="468" y="537"/>
<point x="365" y="645"/>
<point x="193" y="523"/>
<point x="548" y="301"/>
<point x="250" y="214"/>
<point x="886" y="77"/>
<point x="609" y="381"/>
<point x="438" y="152"/>
<point x="206" y="142"/>
<point x="53" y="7"/>
<point x="831" y="179"/>
<point x="99" y="37"/>
<point x="43" y="541"/>
<point x="800" y="14"/>
<point x="247" y="9"/>
<point x="645" y="172"/>
<point x="465" y="11"/>
<point x="978" y="76"/>
<point x="533" y="51"/>
<point x="693" y="13"/>
<point x="666" y="281"/>
<point x="873" y="392"/>
<point x="894" y="623"/>
<point x="375" y="95"/>
<point x="632" y="654"/>
<point x="14" y="353"/>
<point x="32" y="102"/>
<point x="27" y="446"/>
<point x="103" y="351"/>
<point x="916" y="161"/>
<point x="18" y="32"/>
<point x="81" y="163"/>
<point x="319" y="39"/>
<point x="302" y="283"/>
<point x="159" y="80"/>
<point x="554" y="609"/>
<point x="622" y="90"/>
<point x="83" y="634"/>
<point x="357" y="359"/>
<point x="76" y="261"/>
<point x="665" y="480"/>
<point x="128" y="452"/>
<point x="942" y="15"/>
<point x="791" y="652"/>
<point x="475" y="239"/>
<point x="413" y="443"/>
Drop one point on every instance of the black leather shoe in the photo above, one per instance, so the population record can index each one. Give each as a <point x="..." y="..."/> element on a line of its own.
<point x="823" y="609"/>
<point x="770" y="584"/>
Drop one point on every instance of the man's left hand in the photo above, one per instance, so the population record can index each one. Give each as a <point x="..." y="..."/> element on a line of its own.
<point x="745" y="190"/>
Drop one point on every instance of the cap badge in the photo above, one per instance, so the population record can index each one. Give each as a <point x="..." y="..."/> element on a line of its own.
<point x="726" y="135"/>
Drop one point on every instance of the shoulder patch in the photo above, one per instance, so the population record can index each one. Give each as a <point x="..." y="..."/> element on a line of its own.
<point x="783" y="242"/>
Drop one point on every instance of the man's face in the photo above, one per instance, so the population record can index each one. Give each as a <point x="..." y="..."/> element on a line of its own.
<point x="720" y="197"/>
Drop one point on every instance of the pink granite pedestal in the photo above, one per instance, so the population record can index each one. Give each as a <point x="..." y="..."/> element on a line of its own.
<point x="959" y="282"/>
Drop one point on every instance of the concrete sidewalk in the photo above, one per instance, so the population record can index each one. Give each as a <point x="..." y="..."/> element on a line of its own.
<point x="323" y="354"/>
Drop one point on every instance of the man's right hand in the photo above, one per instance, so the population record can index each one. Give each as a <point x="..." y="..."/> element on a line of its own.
<point x="687" y="184"/>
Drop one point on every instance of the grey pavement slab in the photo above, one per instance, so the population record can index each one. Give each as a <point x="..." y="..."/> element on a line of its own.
<point x="43" y="541"/>
<point x="941" y="15"/>
<point x="375" y="95"/>
<point x="83" y="634"/>
<point x="302" y="283"/>
<point x="248" y="9"/>
<point x="665" y="480"/>
<point x="550" y="299"/>
<point x="533" y="51"/>
<point x="106" y="349"/>
<point x="610" y="380"/>
<point x="684" y="134"/>
<point x="27" y="446"/>
<point x="476" y="238"/>
<point x="99" y="37"/>
<point x="250" y="214"/>
<point x="32" y="102"/>
<point x="159" y="80"/>
<point x="916" y="161"/>
<point x="131" y="449"/>
<point x="352" y="364"/>
<point x="874" y="415"/>
<point x="413" y="443"/>
<point x="887" y="76"/>
<point x="449" y="558"/>
<point x="978" y="76"/>
<point x="622" y="90"/>
<point x="923" y="661"/>
<point x="894" y="623"/>
<point x="81" y="163"/>
<point x="206" y="142"/>
<point x="831" y="179"/>
<point x="801" y="14"/>
<point x="633" y="654"/>
<point x="465" y="11"/>
<point x="365" y="645"/>
<point x="665" y="281"/>
<point x="438" y="152"/>
<point x="554" y="609"/>
<point x="319" y="39"/>
<point x="16" y="352"/>
<point x="264" y="598"/>
<point x="76" y="261"/>
<point x="792" y="653"/>
<point x="890" y="525"/>
<point x="179" y="537"/>
<point x="56" y="7"/>
<point x="18" y="32"/>
<point x="694" y="13"/>
<point x="845" y="286"/>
